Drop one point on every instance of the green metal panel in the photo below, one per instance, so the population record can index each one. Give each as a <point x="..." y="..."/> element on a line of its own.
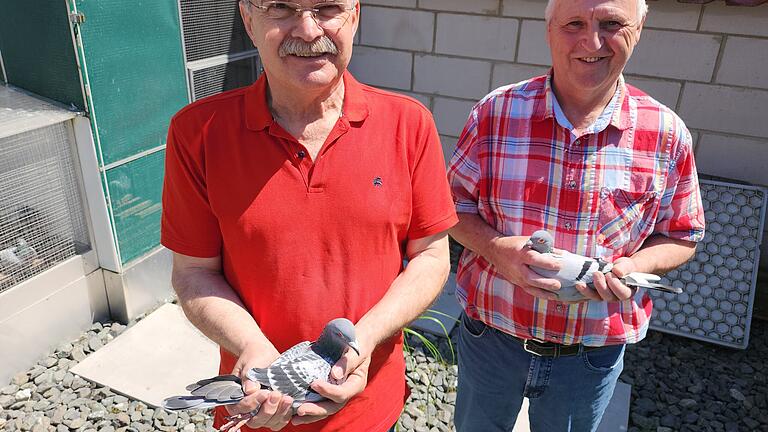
<point x="135" y="191"/>
<point x="133" y="58"/>
<point x="37" y="49"/>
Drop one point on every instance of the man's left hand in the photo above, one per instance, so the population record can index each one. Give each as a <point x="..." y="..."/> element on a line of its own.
<point x="352" y="366"/>
<point x="609" y="287"/>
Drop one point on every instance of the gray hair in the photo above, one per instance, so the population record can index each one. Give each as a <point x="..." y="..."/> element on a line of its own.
<point x="642" y="9"/>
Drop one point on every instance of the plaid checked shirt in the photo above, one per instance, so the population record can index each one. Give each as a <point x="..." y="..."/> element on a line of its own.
<point x="520" y="167"/>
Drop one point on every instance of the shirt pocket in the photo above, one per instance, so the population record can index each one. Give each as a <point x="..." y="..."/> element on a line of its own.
<point x="625" y="218"/>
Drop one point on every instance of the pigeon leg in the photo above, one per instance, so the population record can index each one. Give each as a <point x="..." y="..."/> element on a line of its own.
<point x="236" y="421"/>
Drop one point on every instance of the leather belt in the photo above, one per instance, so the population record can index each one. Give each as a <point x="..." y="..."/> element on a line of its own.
<point x="551" y="349"/>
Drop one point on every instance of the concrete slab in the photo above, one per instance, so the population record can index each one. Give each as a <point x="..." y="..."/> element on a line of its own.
<point x="446" y="309"/>
<point x="154" y="359"/>
<point x="616" y="416"/>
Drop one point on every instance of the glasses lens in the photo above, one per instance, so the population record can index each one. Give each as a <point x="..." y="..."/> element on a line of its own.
<point x="280" y="10"/>
<point x="330" y="10"/>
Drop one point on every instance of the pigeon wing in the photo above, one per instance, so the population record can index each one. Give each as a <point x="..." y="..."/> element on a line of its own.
<point x="293" y="377"/>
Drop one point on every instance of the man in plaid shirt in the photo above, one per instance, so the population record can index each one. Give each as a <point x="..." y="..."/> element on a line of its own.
<point x="606" y="169"/>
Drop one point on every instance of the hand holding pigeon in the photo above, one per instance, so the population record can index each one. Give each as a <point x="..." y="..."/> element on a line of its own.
<point x="577" y="269"/>
<point x="291" y="374"/>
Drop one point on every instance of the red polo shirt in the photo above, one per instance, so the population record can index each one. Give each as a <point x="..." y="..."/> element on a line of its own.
<point x="305" y="241"/>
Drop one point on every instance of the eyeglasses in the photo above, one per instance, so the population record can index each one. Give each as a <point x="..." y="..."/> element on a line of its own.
<point x="331" y="15"/>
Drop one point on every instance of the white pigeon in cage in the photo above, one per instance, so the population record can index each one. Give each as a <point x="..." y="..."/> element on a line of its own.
<point x="24" y="251"/>
<point x="18" y="254"/>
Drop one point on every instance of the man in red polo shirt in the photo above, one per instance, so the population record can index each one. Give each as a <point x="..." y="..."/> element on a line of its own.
<point x="295" y="201"/>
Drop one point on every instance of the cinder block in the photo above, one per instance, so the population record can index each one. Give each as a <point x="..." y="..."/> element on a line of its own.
<point x="476" y="36"/>
<point x="745" y="62"/>
<point x="449" y="76"/>
<point x="397" y="28"/>
<point x="685" y="56"/>
<point x="524" y="8"/>
<point x="504" y="74"/>
<point x="451" y="115"/>
<point x="733" y="157"/>
<point x="664" y="91"/>
<point x="673" y="15"/>
<point x="720" y="18"/>
<point x="396" y="3"/>
<point x="449" y="145"/>
<point x="533" y="43"/>
<point x="725" y="109"/>
<point x="486" y="7"/>
<point x="424" y="99"/>
<point x="382" y="67"/>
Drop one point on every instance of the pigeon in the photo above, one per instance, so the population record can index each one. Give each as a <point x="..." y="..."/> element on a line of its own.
<point x="291" y="374"/>
<point x="578" y="268"/>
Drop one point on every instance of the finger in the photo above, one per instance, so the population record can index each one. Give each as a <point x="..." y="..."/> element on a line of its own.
<point x="538" y="281"/>
<point x="339" y="370"/>
<point x="538" y="292"/>
<point x="338" y="393"/>
<point x="267" y="410"/>
<point x="619" y="290"/>
<point x="588" y="292"/>
<point x="283" y="414"/>
<point x="316" y="412"/>
<point x="536" y="259"/>
<point x="250" y="386"/>
<point x="601" y="287"/>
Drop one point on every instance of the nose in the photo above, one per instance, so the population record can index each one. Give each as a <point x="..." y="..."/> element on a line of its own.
<point x="592" y="39"/>
<point x="307" y="29"/>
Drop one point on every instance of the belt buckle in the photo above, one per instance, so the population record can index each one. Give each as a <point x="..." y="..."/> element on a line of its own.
<point x="529" y="350"/>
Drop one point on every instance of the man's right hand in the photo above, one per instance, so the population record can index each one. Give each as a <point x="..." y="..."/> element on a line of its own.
<point x="512" y="260"/>
<point x="274" y="409"/>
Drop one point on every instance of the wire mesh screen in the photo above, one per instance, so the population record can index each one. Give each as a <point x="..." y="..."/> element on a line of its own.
<point x="212" y="28"/>
<point x="223" y="77"/>
<point x="41" y="212"/>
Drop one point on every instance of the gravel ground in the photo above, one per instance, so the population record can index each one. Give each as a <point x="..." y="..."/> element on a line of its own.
<point x="678" y="385"/>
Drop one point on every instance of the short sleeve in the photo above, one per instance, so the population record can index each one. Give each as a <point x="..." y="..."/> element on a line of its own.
<point x="464" y="170"/>
<point x="681" y="215"/>
<point x="433" y="210"/>
<point x="188" y="224"/>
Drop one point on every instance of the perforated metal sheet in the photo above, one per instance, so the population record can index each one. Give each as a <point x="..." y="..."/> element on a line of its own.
<point x="719" y="283"/>
<point x="212" y="28"/>
<point x="41" y="210"/>
<point x="222" y="77"/>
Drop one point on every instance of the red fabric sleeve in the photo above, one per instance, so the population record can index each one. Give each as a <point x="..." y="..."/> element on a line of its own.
<point x="433" y="209"/>
<point x="188" y="225"/>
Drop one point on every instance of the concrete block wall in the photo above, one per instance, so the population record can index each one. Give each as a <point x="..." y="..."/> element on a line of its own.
<point x="707" y="62"/>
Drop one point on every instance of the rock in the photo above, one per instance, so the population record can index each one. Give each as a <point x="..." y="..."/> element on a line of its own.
<point x="687" y="403"/>
<point x="23" y="395"/>
<point x="9" y="389"/>
<point x="736" y="394"/>
<point x="20" y="379"/>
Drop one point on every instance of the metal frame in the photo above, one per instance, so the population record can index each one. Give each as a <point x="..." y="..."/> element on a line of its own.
<point x="755" y="271"/>
<point x="205" y="63"/>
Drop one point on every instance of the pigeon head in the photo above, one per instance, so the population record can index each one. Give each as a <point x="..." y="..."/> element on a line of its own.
<point x="541" y="241"/>
<point x="338" y="336"/>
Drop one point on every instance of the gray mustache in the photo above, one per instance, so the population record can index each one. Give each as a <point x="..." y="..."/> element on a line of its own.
<point x="298" y="47"/>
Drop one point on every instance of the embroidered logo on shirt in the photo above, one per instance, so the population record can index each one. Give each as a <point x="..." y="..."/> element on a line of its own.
<point x="377" y="181"/>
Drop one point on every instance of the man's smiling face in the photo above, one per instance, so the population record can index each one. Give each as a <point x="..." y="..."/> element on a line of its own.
<point x="591" y="42"/>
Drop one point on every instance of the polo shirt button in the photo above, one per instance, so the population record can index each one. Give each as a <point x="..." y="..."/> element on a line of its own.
<point x="577" y="142"/>
<point x="559" y="308"/>
<point x="572" y="184"/>
<point x="301" y="154"/>
<point x="567" y="225"/>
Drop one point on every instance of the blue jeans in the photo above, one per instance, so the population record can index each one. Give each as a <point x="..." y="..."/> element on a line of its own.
<point x="495" y="373"/>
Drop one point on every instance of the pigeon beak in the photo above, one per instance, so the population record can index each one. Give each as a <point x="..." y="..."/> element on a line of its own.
<point x="353" y="344"/>
<point x="529" y="243"/>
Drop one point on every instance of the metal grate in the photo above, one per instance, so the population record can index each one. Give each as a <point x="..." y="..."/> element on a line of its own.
<point x="41" y="212"/>
<point x="719" y="283"/>
<point x="222" y="77"/>
<point x="212" y="28"/>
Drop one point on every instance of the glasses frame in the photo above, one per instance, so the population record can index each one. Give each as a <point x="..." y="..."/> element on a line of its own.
<point x="298" y="11"/>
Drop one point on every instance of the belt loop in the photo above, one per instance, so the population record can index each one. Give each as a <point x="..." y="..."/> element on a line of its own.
<point x="557" y="351"/>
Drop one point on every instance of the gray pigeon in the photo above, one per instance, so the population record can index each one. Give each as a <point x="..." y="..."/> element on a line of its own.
<point x="291" y="374"/>
<point x="577" y="268"/>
